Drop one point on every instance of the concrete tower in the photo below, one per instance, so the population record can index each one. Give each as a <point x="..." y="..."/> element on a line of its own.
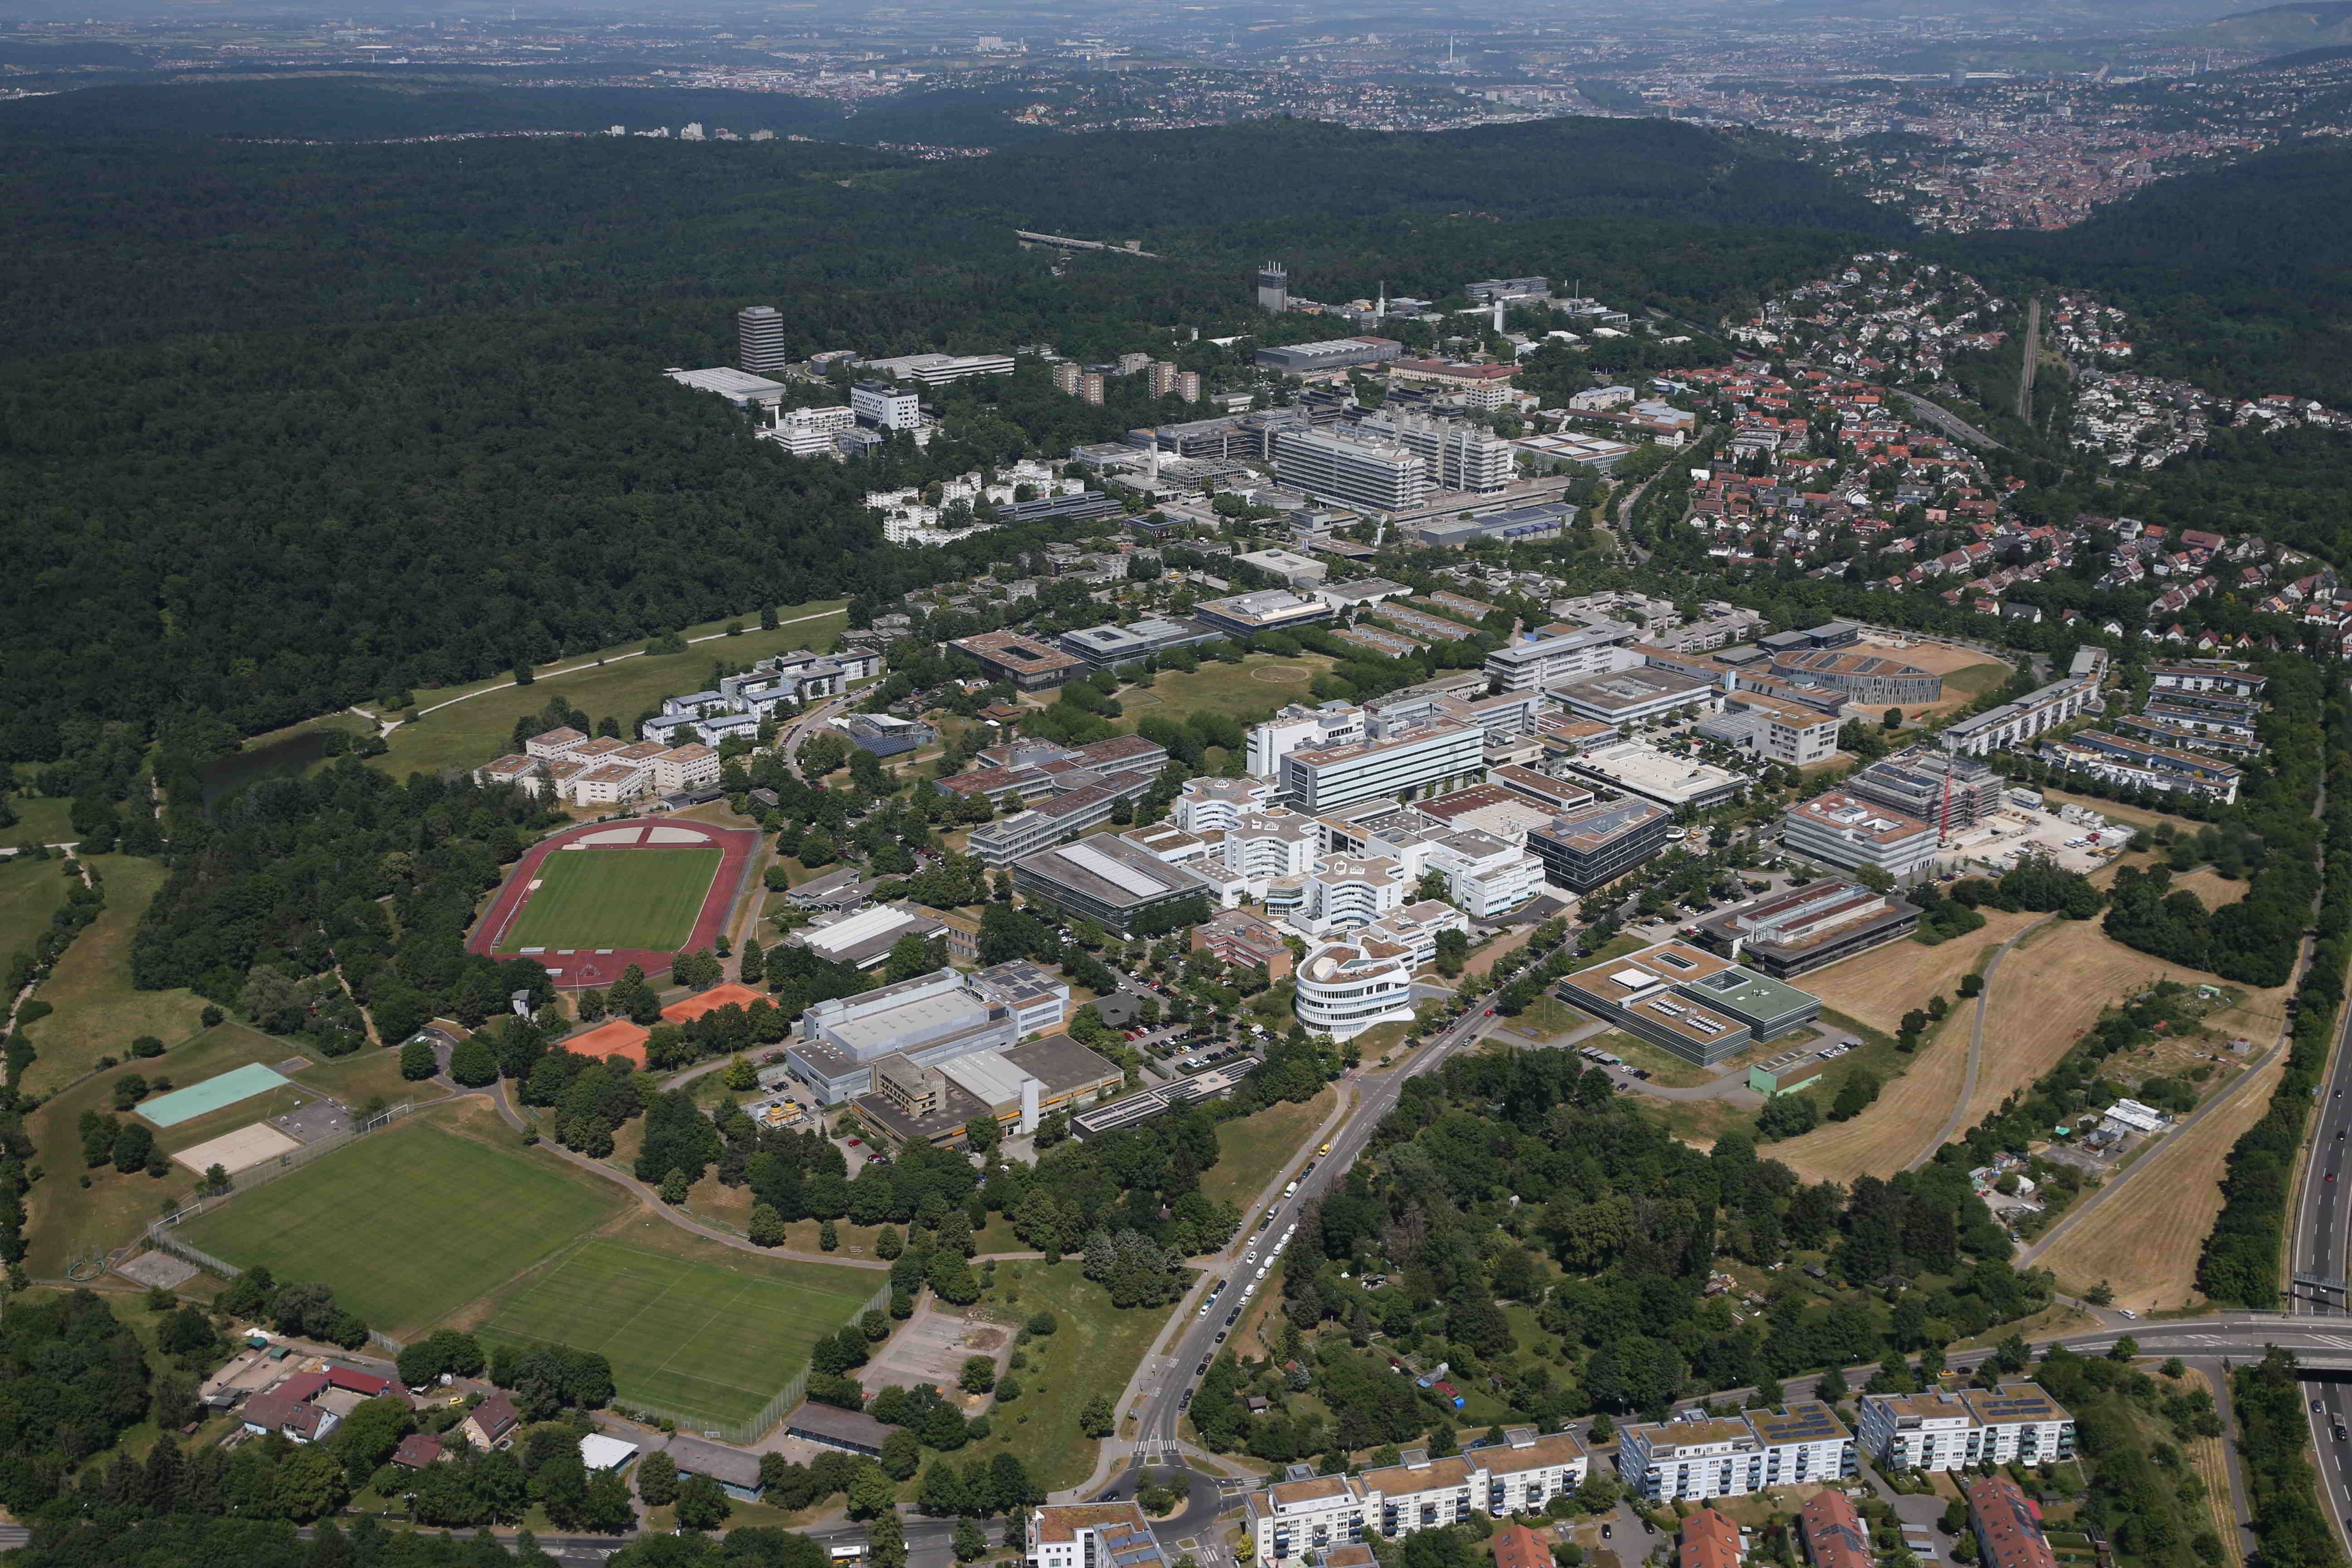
<point x="1273" y="288"/>
<point x="760" y="339"/>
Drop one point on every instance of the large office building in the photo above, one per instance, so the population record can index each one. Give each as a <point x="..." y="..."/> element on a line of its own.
<point x="1106" y="879"/>
<point x="937" y="1102"/>
<point x="1307" y="1515"/>
<point x="882" y="407"/>
<point x="1330" y="354"/>
<point x="1626" y="697"/>
<point x="1594" y="845"/>
<point x="1412" y="759"/>
<point x="2016" y="1423"/>
<point x="939" y="370"/>
<point x="2011" y="724"/>
<point x="1777" y="729"/>
<point x="1349" y="986"/>
<point x="1028" y="664"/>
<point x="1111" y="646"/>
<point x="1454" y="454"/>
<point x="1300" y="727"/>
<point x="1350" y="469"/>
<point x="1519" y="524"/>
<point x="1537" y="661"/>
<point x="760" y="339"/>
<point x="1633" y="767"/>
<point x="1799" y="929"/>
<point x="1265" y="610"/>
<point x="1694" y="1004"/>
<point x="1715" y="1457"/>
<point x="1839" y="829"/>
<point x="926" y="1019"/>
<point x="1947" y="788"/>
<point x="1868" y="679"/>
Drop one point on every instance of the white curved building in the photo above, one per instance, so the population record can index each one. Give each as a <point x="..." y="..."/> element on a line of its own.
<point x="1262" y="846"/>
<point x="1214" y="804"/>
<point x="1348" y="987"/>
<point x="1349" y="890"/>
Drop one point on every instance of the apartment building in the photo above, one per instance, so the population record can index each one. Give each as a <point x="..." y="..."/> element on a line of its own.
<point x="1537" y="661"/>
<point x="2208" y="674"/>
<point x="1092" y="1535"/>
<point x="2014" y="1423"/>
<point x="1832" y="1532"/>
<point x="2120" y="760"/>
<point x="2011" y="724"/>
<point x="1306" y="1513"/>
<point x="2008" y="1530"/>
<point x="1733" y="1456"/>
<point x="1841" y="829"/>
<point x="1409" y="759"/>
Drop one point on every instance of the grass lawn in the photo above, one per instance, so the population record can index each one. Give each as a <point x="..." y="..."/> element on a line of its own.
<point x="41" y="819"/>
<point x="369" y="1071"/>
<point x="1663" y="1066"/>
<point x="30" y="890"/>
<point x="1976" y="679"/>
<point x="482" y="727"/>
<point x="1547" y="1017"/>
<point x="1251" y="1149"/>
<point x="1615" y="947"/>
<point x="410" y="1224"/>
<point x="98" y="1013"/>
<point x="67" y="1219"/>
<point x="1095" y="1351"/>
<point x="614" y="897"/>
<point x="1249" y="692"/>
<point x="711" y="1336"/>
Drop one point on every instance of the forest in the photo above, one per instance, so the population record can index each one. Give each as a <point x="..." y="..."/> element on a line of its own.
<point x="1518" y="1180"/>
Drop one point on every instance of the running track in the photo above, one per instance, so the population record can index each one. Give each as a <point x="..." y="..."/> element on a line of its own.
<point x="579" y="969"/>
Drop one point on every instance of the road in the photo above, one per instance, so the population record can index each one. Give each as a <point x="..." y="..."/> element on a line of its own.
<point x="1943" y="419"/>
<point x="1163" y="1409"/>
<point x="2319" y="1248"/>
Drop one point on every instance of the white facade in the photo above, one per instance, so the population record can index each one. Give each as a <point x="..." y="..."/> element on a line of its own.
<point x="1293" y="1519"/>
<point x="1372" y="474"/>
<point x="1214" y="804"/>
<point x="1349" y="890"/>
<point x="684" y="768"/>
<point x="1454" y="454"/>
<point x="885" y="407"/>
<point x="1091" y="1535"/>
<point x="1537" y="661"/>
<point x="2015" y="1422"/>
<point x="2004" y="727"/>
<point x="1843" y="830"/>
<point x="1408" y="760"/>
<point x="1346" y="987"/>
<point x="1262" y="846"/>
<point x="611" y="783"/>
<point x="1732" y="1456"/>
<point x="1297" y="727"/>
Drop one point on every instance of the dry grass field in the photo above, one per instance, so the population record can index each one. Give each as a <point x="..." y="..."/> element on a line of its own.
<point x="1901" y="1125"/>
<point x="2049" y="990"/>
<point x="1967" y="674"/>
<point x="2142" y="1240"/>
<point x="1881" y="985"/>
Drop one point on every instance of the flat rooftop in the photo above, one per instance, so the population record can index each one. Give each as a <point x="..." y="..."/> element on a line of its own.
<point x="1645" y="769"/>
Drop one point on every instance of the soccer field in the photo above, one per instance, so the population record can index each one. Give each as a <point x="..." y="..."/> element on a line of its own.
<point x="408" y="1224"/>
<point x="613" y="898"/>
<point x="710" y="1339"/>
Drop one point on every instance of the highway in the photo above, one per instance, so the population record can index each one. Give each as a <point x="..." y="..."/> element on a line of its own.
<point x="2319" y="1248"/>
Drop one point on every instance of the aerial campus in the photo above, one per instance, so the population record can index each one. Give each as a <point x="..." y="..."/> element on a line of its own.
<point x="1396" y="965"/>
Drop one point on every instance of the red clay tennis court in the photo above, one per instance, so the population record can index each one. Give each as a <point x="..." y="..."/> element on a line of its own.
<point x="689" y="1009"/>
<point x="618" y="1038"/>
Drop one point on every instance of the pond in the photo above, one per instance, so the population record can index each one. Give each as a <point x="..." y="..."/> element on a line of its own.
<point x="279" y="758"/>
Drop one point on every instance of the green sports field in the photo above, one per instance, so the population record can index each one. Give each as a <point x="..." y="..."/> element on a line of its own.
<point x="637" y="897"/>
<point x="714" y="1337"/>
<point x="408" y="1224"/>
